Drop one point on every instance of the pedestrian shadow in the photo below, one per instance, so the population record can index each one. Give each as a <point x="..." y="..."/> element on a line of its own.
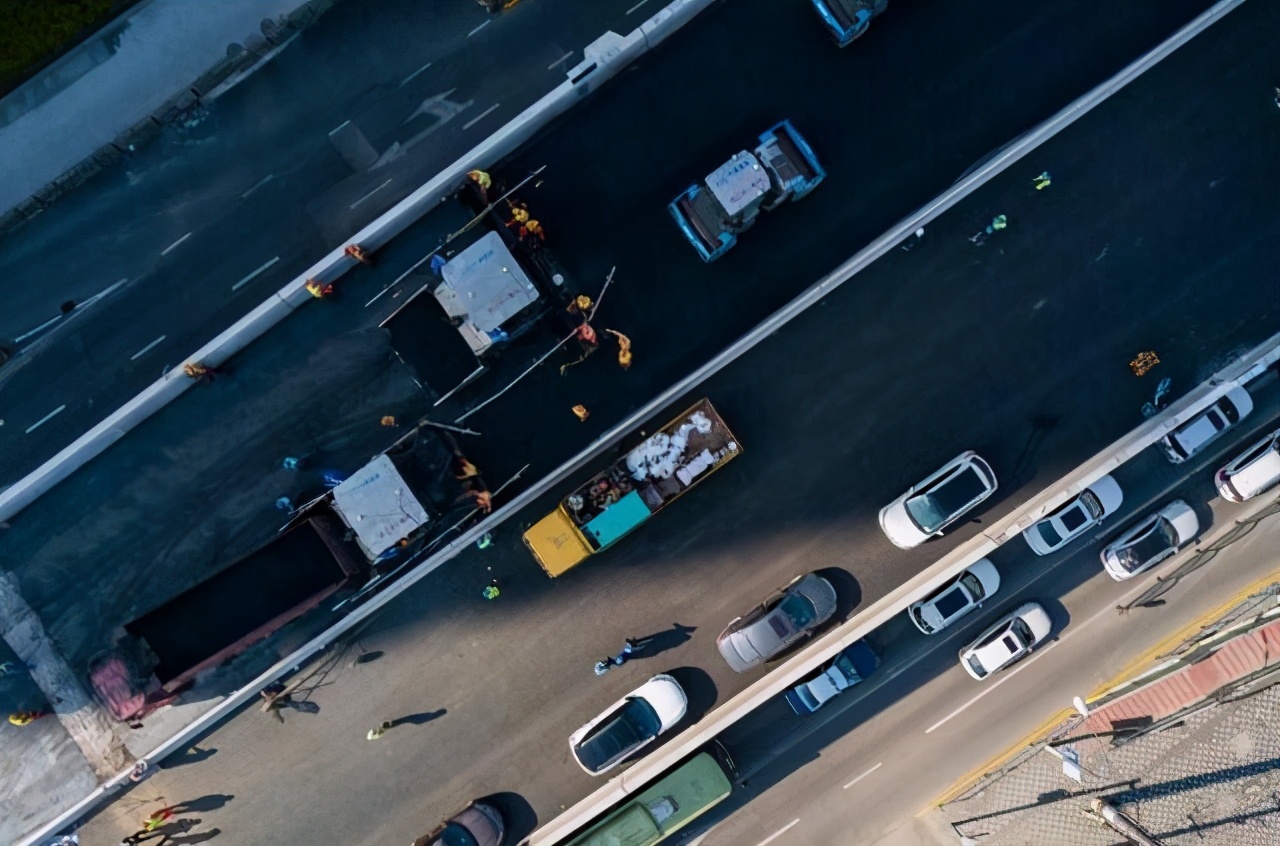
<point x="194" y="755"/>
<point x="205" y="803"/>
<point x="516" y="812"/>
<point x="189" y="839"/>
<point x="419" y="719"/>
<point x="659" y="642"/>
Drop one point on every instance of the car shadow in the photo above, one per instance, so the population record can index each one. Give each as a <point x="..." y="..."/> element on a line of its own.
<point x="848" y="593"/>
<point x="700" y="688"/>
<point x="516" y="811"/>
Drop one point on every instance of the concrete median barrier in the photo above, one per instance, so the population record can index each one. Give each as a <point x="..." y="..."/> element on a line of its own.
<point x="603" y="59"/>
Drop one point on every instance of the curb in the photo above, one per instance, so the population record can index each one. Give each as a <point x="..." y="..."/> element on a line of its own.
<point x="1131" y="672"/>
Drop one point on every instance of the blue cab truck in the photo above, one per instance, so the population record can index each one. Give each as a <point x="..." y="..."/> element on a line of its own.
<point x="713" y="212"/>
<point x="846" y="20"/>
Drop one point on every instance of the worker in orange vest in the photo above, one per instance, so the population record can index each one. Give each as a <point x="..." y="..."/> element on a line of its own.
<point x="359" y="253"/>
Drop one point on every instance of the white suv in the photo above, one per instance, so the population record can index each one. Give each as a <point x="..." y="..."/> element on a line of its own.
<point x="938" y="501"/>
<point x="1192" y="436"/>
<point x="1012" y="637"/>
<point x="960" y="596"/>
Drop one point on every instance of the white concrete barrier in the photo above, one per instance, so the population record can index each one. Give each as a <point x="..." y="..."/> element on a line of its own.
<point x="603" y="59"/>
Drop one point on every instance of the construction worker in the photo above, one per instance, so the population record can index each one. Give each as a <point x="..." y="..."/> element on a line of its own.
<point x="624" y="348"/>
<point x="319" y="289"/>
<point x="199" y="372"/>
<point x="1042" y="181"/>
<point x="580" y="412"/>
<point x="532" y="230"/>
<point x="519" y="215"/>
<point x="482" y="183"/>
<point x="359" y="253"/>
<point x="24" y="718"/>
<point x="491" y="590"/>
<point x="466" y="470"/>
<point x="483" y="500"/>
<point x="587" y="335"/>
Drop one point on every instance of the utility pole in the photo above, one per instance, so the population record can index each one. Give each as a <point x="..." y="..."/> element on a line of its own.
<point x="1133" y="832"/>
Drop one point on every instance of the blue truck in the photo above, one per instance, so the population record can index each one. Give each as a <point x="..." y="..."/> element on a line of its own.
<point x="713" y="212"/>
<point x="846" y="20"/>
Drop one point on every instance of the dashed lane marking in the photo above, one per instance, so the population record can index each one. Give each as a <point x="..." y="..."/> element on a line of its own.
<point x="864" y="775"/>
<point x="45" y="419"/>
<point x="477" y="29"/>
<point x="370" y="194"/>
<point x="636" y="6"/>
<point x="246" y="280"/>
<point x="172" y="246"/>
<point x="410" y="77"/>
<point x="779" y="832"/>
<point x="480" y="116"/>
<point x="148" y="348"/>
<point x="263" y="181"/>
<point x="559" y="61"/>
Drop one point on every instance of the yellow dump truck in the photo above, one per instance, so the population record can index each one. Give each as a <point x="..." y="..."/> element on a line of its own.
<point x="638" y="485"/>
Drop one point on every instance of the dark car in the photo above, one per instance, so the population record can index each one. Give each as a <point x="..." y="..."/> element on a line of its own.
<point x="778" y="623"/>
<point x="477" y="824"/>
<point x="854" y="663"/>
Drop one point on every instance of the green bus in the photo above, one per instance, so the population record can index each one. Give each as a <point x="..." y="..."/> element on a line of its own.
<point x="665" y="807"/>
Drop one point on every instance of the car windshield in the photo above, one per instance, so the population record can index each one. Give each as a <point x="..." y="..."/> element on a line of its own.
<point x="1093" y="504"/>
<point x="799" y="610"/>
<point x="973" y="585"/>
<point x="613" y="739"/>
<point x="951" y="602"/>
<point x="1150" y="546"/>
<point x="933" y="509"/>
<point x="1023" y="632"/>
<point x="454" y="835"/>
<point x="920" y="621"/>
<point x="976" y="666"/>
<point x="1229" y="410"/>
<point x="1049" y="533"/>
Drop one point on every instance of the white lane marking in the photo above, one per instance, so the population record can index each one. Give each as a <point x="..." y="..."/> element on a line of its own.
<point x="410" y="77"/>
<point x="261" y="182"/>
<point x="170" y="248"/>
<point x="480" y="116"/>
<point x="559" y="61"/>
<point x="255" y="273"/>
<point x="636" y="6"/>
<point x="864" y="775"/>
<point x="1025" y="663"/>
<point x="779" y="832"/>
<point x="339" y="126"/>
<point x="102" y="294"/>
<point x="148" y="348"/>
<point x="38" y="329"/>
<point x="45" y="419"/>
<point x="477" y="29"/>
<point x="370" y="194"/>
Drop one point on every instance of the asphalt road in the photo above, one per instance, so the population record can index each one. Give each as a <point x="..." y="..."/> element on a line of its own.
<point x="254" y="186"/>
<point x="864" y="772"/>
<point x="1157" y="226"/>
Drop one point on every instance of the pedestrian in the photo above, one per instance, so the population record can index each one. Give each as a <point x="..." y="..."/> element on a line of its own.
<point x="485" y="541"/>
<point x="388" y="420"/>
<point x="624" y="348"/>
<point x="380" y="730"/>
<point x="997" y="223"/>
<point x="580" y="412"/>
<point x="359" y="253"/>
<point x="319" y="289"/>
<point x="491" y="591"/>
<point x="482" y="499"/>
<point x="1042" y="181"/>
<point x="519" y="214"/>
<point x="465" y="469"/>
<point x="283" y="503"/>
<point x="482" y="183"/>
<point x="603" y="666"/>
<point x="159" y="818"/>
<point x="25" y="718"/>
<point x="532" y="231"/>
<point x="200" y="372"/>
<point x="437" y="264"/>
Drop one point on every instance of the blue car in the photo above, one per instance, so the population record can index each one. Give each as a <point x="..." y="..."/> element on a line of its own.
<point x="846" y="20"/>
<point x="851" y="666"/>
<point x="713" y="212"/>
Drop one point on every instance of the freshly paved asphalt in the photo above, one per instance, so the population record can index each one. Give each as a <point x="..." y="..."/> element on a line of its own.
<point x="1153" y="236"/>
<point x="365" y="62"/>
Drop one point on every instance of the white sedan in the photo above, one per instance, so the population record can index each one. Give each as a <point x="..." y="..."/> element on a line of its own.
<point x="938" y="501"/>
<point x="1078" y="516"/>
<point x="1151" y="541"/>
<point x="1253" y="471"/>
<point x="1010" y="638"/>
<point x="629" y="725"/>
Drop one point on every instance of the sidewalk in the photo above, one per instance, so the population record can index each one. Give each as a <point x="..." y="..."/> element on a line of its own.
<point x="116" y="79"/>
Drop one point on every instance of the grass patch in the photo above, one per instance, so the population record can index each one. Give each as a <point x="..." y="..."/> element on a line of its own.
<point x="34" y="32"/>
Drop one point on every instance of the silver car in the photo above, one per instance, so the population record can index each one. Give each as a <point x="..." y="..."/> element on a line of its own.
<point x="777" y="623"/>
<point x="478" y="824"/>
<point x="1150" y="541"/>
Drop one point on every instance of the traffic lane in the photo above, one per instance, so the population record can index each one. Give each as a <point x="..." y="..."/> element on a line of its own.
<point x="866" y="752"/>
<point x="612" y="212"/>
<point x="180" y="229"/>
<point x="353" y="58"/>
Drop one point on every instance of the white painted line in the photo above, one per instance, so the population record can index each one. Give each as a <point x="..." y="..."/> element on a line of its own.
<point x="370" y="194"/>
<point x="45" y="419"/>
<point x="636" y="6"/>
<point x="779" y="832"/>
<point x="102" y="294"/>
<point x="38" y="329"/>
<point x="261" y="182"/>
<point x="1025" y="663"/>
<point x="410" y="77"/>
<point x="255" y="273"/>
<point x="480" y="116"/>
<point x="560" y="61"/>
<point x="339" y="126"/>
<point x="864" y="775"/>
<point x="148" y="348"/>
<point x="477" y="29"/>
<point x="170" y="248"/>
